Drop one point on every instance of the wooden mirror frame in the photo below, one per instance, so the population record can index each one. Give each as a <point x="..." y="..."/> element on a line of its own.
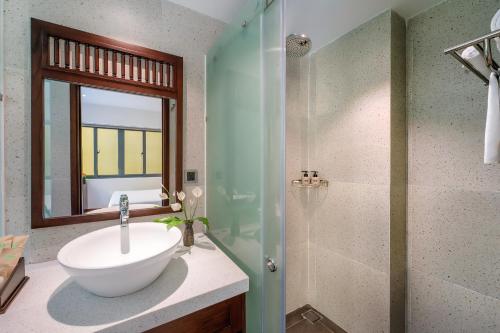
<point x="166" y="84"/>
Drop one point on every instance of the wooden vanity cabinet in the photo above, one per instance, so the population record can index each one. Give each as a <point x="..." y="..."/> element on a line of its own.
<point x="225" y="317"/>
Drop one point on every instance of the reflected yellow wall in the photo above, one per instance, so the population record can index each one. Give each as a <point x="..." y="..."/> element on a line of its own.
<point x="107" y="147"/>
<point x="133" y="152"/>
<point x="88" y="151"/>
<point x="153" y="152"/>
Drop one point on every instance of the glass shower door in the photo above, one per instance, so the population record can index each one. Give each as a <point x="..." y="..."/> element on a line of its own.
<point x="245" y="155"/>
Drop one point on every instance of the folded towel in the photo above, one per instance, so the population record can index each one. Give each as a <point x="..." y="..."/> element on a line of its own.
<point x="492" y="131"/>
<point x="477" y="60"/>
<point x="495" y="21"/>
<point x="495" y="25"/>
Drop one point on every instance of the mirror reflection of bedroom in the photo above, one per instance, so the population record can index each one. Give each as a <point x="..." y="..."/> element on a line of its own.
<point x="121" y="149"/>
<point x="118" y="149"/>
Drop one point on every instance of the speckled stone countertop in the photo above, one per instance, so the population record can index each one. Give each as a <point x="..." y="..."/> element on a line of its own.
<point x="52" y="302"/>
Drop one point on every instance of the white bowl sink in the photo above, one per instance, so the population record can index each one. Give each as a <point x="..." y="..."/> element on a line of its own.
<point x="96" y="263"/>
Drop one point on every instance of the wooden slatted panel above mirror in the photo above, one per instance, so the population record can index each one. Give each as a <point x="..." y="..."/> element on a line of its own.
<point x="75" y="56"/>
<point x="69" y="51"/>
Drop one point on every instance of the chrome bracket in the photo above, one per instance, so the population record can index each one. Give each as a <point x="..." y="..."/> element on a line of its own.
<point x="271" y="265"/>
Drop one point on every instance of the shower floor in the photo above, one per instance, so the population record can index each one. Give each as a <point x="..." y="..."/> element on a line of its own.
<point x="307" y="320"/>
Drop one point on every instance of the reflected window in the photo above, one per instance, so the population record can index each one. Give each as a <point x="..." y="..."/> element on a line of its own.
<point x="120" y="152"/>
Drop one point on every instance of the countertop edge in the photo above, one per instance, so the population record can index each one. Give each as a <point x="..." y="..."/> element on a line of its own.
<point x="146" y="321"/>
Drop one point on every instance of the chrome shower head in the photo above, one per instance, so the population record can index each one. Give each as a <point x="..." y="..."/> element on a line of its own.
<point x="297" y="45"/>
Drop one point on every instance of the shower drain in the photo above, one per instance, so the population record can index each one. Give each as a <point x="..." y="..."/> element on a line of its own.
<point x="311" y="316"/>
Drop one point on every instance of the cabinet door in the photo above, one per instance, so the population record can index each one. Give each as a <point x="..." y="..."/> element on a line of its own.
<point x="224" y="317"/>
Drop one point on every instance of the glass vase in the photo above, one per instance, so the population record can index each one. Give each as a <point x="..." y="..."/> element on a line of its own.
<point x="188" y="236"/>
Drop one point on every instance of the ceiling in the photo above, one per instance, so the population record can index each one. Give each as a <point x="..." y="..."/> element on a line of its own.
<point x="338" y="17"/>
<point x="119" y="99"/>
<point x="222" y="10"/>
<point x="322" y="20"/>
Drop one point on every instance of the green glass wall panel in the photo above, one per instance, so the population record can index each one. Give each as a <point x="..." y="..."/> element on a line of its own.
<point x="273" y="164"/>
<point x="245" y="149"/>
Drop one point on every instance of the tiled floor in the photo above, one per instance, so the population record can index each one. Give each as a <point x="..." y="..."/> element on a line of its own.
<point x="308" y="320"/>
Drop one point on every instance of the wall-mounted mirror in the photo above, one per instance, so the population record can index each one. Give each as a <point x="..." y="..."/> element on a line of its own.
<point x="117" y="149"/>
<point x="106" y="121"/>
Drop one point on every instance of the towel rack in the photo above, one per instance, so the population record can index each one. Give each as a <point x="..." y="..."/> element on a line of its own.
<point x="483" y="46"/>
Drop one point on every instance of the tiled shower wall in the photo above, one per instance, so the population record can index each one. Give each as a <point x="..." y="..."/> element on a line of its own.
<point x="453" y="198"/>
<point x="352" y="129"/>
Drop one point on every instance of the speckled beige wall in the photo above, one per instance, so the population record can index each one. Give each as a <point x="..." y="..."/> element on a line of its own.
<point x="156" y="24"/>
<point x="358" y="144"/>
<point x="453" y="198"/>
<point x="2" y="143"/>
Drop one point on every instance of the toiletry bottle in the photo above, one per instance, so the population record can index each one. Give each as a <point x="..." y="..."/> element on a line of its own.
<point x="306" y="180"/>
<point x="315" y="180"/>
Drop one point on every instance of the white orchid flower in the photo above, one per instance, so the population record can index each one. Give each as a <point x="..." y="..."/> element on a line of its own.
<point x="197" y="192"/>
<point x="163" y="196"/>
<point x="176" y="207"/>
<point x="181" y="195"/>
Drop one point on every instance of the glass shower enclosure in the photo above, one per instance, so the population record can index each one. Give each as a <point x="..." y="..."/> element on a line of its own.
<point x="245" y="155"/>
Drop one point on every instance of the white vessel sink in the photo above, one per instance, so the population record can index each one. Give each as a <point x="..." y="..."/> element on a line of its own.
<point x="96" y="263"/>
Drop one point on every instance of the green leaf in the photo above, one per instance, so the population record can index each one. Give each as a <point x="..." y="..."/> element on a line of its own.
<point x="175" y="223"/>
<point x="166" y="220"/>
<point x="203" y="220"/>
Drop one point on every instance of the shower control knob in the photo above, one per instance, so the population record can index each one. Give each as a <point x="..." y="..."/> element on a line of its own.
<point x="271" y="265"/>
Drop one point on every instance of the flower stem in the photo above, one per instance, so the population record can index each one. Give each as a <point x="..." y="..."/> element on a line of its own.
<point x="195" y="208"/>
<point x="184" y="209"/>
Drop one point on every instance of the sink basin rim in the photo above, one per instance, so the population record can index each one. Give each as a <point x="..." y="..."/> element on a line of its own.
<point x="63" y="254"/>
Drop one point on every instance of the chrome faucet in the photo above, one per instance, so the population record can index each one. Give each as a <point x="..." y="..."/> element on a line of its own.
<point x="124" y="233"/>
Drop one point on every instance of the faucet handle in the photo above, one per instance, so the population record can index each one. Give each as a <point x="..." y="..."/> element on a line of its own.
<point x="124" y="204"/>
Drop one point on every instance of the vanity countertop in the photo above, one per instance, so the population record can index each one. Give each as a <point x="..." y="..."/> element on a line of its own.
<point x="52" y="302"/>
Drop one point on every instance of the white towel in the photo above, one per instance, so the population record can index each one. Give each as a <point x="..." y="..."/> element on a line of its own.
<point x="492" y="131"/>
<point x="495" y="21"/>
<point x="495" y="25"/>
<point x="476" y="59"/>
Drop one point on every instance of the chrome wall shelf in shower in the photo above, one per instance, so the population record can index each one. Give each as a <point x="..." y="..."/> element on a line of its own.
<point x="298" y="183"/>
<point x="483" y="46"/>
